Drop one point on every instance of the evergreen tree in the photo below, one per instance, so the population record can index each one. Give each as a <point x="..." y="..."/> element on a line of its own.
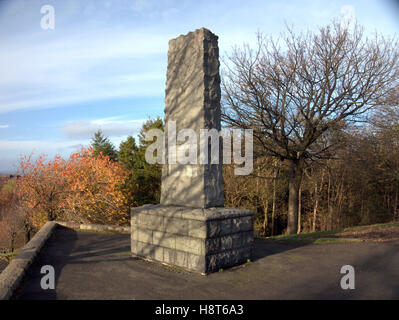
<point x="144" y="184"/>
<point x="126" y="153"/>
<point x="102" y="144"/>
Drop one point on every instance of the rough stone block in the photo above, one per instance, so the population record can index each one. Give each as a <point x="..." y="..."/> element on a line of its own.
<point x="158" y="253"/>
<point x="196" y="262"/>
<point x="151" y="221"/>
<point x="144" y="235"/>
<point x="192" y="100"/>
<point x="227" y="258"/>
<point x="197" y="229"/>
<point x="212" y="245"/>
<point x="175" y="226"/>
<point x="220" y="227"/>
<point x="163" y="239"/>
<point x="190" y="244"/>
<point x="181" y="259"/>
<point x="216" y="238"/>
<point x="242" y="224"/>
<point x="169" y="256"/>
<point x="133" y="245"/>
<point x="144" y="249"/>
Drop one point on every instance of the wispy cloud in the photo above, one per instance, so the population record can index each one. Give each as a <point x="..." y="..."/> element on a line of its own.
<point x="107" y="49"/>
<point x="111" y="127"/>
<point x="4" y="126"/>
<point x="33" y="145"/>
<point x="12" y="150"/>
<point x="82" y="67"/>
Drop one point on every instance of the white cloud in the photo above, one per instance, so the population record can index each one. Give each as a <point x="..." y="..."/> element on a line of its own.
<point x="111" y="127"/>
<point x="33" y="145"/>
<point x="80" y="67"/>
<point x="54" y="99"/>
<point x="11" y="150"/>
<point x="4" y="126"/>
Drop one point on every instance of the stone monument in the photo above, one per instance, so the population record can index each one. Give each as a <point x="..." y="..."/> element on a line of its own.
<point x="191" y="228"/>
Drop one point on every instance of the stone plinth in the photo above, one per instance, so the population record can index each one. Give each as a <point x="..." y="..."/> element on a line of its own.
<point x="201" y="240"/>
<point x="192" y="101"/>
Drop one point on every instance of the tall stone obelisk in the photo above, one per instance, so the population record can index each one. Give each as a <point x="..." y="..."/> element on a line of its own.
<point x="191" y="228"/>
<point x="192" y="102"/>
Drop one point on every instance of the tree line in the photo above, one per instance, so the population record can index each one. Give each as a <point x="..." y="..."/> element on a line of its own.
<point x="307" y="98"/>
<point x="359" y="186"/>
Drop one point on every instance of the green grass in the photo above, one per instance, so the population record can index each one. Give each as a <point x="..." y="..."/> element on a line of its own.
<point x="317" y="240"/>
<point x="123" y="253"/>
<point x="322" y="237"/>
<point x="329" y="240"/>
<point x="173" y="268"/>
<point x="9" y="255"/>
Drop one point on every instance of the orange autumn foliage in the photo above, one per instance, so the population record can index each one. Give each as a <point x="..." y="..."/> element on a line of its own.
<point x="95" y="185"/>
<point x="83" y="188"/>
<point x="42" y="188"/>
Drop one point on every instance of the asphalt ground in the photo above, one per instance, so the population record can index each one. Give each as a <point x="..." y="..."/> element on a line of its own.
<point x="91" y="265"/>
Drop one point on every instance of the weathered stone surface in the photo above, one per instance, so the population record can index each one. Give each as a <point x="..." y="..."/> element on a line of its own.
<point x="228" y="258"/>
<point x="162" y="239"/>
<point x="95" y="227"/>
<point x="175" y="212"/>
<point x="191" y="228"/>
<point x="193" y="101"/>
<point x="216" y="241"/>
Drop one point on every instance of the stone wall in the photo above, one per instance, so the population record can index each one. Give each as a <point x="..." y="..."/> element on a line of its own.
<point x="201" y="240"/>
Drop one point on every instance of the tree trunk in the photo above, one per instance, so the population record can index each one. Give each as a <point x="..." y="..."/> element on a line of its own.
<point x="294" y="182"/>
<point x="316" y="206"/>
<point x="274" y="200"/>
<point x="328" y="203"/>
<point x="315" y="216"/>
<point x="265" y="220"/>
<point x="299" y="209"/>
<point x="396" y="212"/>
<point x="12" y="242"/>
<point x="28" y="230"/>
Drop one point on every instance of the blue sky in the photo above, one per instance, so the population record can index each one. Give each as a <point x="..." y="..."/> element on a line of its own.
<point x="104" y="63"/>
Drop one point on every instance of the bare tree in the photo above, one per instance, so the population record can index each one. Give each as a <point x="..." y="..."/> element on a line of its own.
<point x="294" y="93"/>
<point x="12" y="225"/>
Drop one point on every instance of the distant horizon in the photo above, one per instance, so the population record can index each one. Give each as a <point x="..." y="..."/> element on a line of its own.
<point x="7" y="174"/>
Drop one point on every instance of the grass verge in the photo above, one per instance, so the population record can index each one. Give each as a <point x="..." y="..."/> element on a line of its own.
<point x="8" y="256"/>
<point x="323" y="237"/>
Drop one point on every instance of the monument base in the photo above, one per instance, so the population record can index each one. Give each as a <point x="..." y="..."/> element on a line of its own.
<point x="201" y="240"/>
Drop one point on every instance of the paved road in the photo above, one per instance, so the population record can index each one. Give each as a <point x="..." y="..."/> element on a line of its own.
<point x="99" y="266"/>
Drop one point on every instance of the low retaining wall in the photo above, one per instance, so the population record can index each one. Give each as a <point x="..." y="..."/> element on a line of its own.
<point x="94" y="227"/>
<point x="12" y="275"/>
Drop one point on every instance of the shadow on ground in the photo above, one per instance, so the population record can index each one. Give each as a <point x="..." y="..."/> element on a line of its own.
<point x="91" y="265"/>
